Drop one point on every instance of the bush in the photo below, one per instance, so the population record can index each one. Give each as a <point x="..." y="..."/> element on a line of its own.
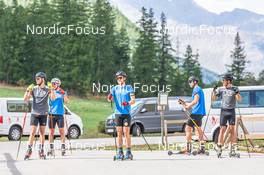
<point x="101" y="127"/>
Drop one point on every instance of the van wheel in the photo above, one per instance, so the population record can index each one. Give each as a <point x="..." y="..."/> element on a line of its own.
<point x="73" y="132"/>
<point x="136" y="130"/>
<point x="216" y="134"/>
<point x="15" y="133"/>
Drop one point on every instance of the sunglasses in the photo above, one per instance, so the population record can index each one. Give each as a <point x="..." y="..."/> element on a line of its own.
<point x="119" y="78"/>
<point x="54" y="84"/>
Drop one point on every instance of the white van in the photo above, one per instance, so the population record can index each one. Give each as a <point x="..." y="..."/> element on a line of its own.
<point x="13" y="110"/>
<point x="252" y="105"/>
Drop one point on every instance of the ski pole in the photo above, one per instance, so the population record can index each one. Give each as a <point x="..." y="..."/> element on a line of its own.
<point x="23" y="126"/>
<point x="187" y="113"/>
<point x="68" y="133"/>
<point x="244" y="132"/>
<point x="142" y="135"/>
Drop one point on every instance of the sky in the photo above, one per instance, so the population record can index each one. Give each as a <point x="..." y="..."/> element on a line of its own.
<point x="219" y="6"/>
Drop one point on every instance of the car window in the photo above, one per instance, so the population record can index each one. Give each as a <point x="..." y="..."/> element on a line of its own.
<point x="150" y="107"/>
<point x="14" y="106"/>
<point x="245" y="99"/>
<point x="174" y="105"/>
<point x="259" y="98"/>
<point x="244" y="103"/>
<point x="217" y="103"/>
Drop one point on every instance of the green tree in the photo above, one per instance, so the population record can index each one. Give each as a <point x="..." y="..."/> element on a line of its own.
<point x="72" y="63"/>
<point x="122" y="51"/>
<point x="102" y="44"/>
<point x="190" y="67"/>
<point x="144" y="63"/>
<point x="166" y="61"/>
<point x="12" y="41"/>
<point x="238" y="66"/>
<point x="249" y="80"/>
<point x="261" y="78"/>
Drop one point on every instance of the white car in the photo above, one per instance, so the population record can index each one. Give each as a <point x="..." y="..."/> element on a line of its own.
<point x="13" y="110"/>
<point x="252" y="105"/>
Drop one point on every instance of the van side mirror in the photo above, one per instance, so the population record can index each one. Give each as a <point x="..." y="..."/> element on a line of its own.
<point x="143" y="110"/>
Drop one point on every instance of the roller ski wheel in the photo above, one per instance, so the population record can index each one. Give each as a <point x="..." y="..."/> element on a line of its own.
<point x="202" y="152"/>
<point x="184" y="152"/>
<point x="170" y="153"/>
<point x="219" y="154"/>
<point x="51" y="153"/>
<point x="42" y="155"/>
<point x="28" y="154"/>
<point x="118" y="158"/>
<point x="63" y="152"/>
<point x="234" y="155"/>
<point x="218" y="151"/>
<point x="128" y="157"/>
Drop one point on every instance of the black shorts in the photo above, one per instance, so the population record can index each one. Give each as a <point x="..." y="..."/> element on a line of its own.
<point x="196" y="118"/>
<point x="227" y="115"/>
<point x="123" y="120"/>
<point x="56" y="120"/>
<point x="36" y="120"/>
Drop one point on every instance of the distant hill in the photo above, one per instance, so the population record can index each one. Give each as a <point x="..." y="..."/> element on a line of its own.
<point x="211" y="33"/>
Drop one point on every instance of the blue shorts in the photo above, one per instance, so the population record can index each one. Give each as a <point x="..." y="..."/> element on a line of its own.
<point x="56" y="119"/>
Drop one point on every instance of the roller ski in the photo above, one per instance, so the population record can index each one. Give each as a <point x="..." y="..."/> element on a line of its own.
<point x="219" y="151"/>
<point x="63" y="150"/>
<point x="28" y="154"/>
<point x="128" y="155"/>
<point x="119" y="155"/>
<point x="233" y="152"/>
<point x="186" y="151"/>
<point x="42" y="154"/>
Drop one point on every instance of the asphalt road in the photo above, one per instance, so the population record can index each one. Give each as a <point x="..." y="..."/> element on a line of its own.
<point x="145" y="162"/>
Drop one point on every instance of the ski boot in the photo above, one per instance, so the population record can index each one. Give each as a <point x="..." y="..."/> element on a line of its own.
<point x="51" y="151"/>
<point x="219" y="150"/>
<point x="128" y="155"/>
<point x="28" y="153"/>
<point x="120" y="155"/>
<point x="41" y="152"/>
<point x="63" y="150"/>
<point x="233" y="152"/>
<point x="202" y="150"/>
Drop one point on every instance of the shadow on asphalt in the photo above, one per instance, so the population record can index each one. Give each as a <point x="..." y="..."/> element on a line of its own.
<point x="10" y="162"/>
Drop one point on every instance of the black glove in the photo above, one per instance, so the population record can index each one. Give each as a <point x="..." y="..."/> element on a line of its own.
<point x="235" y="89"/>
<point x="215" y="87"/>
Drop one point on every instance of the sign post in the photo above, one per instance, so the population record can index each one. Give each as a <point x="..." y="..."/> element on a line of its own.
<point x="162" y="103"/>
